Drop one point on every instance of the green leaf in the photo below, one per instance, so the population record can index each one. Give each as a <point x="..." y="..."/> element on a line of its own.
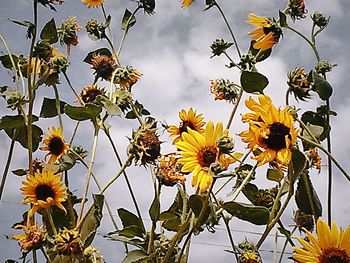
<point x="257" y="215"/>
<point x="129" y="219"/>
<point x="274" y="175"/>
<point x="11" y="122"/>
<point x="132" y="241"/>
<point x="172" y="224"/>
<point x="299" y="163"/>
<point x="6" y="61"/>
<point x="19" y="172"/>
<point x="25" y="23"/>
<point x="321" y="86"/>
<point x="250" y="191"/>
<point x="253" y="81"/>
<point x="67" y="162"/>
<point x="128" y="21"/>
<point x="195" y="202"/>
<point x="89" y="112"/>
<point x="167" y="215"/>
<point x="48" y="108"/>
<point x="92" y="221"/>
<point x="130" y="115"/>
<point x="306" y="197"/>
<point x="111" y="108"/>
<point x="154" y="210"/>
<point x="49" y="32"/>
<point x="131" y="231"/>
<point x="283" y="19"/>
<point x="100" y="51"/>
<point x="136" y="256"/>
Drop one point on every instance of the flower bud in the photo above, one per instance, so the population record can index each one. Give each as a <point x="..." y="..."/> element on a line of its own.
<point x="320" y="19"/>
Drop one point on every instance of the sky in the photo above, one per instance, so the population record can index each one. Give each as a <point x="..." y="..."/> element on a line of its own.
<point x="171" y="49"/>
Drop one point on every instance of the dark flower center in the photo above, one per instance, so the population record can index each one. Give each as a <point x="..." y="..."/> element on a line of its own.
<point x="42" y="192"/>
<point x="276" y="139"/>
<point x="56" y="146"/>
<point x="186" y="124"/>
<point x="207" y="156"/>
<point x="334" y="255"/>
<point x="277" y="32"/>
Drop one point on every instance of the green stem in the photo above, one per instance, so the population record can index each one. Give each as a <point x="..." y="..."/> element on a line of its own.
<point x="45" y="255"/>
<point x="285" y="245"/>
<point x="138" y="116"/>
<point x="235" y="106"/>
<point x="51" y="222"/>
<point x="35" y="259"/>
<point x="74" y="133"/>
<point x="8" y="163"/>
<point x="58" y="105"/>
<point x="73" y="89"/>
<point x="330" y="171"/>
<point x="229" y="28"/>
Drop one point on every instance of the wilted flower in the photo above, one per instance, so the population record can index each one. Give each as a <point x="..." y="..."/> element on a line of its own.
<point x="169" y="172"/>
<point x="92" y="27"/>
<point x="315" y="158"/>
<point x="324" y="66"/>
<point x="89" y="93"/>
<point x="67" y="242"/>
<point x="224" y="89"/>
<point x="67" y="32"/>
<point x="58" y="62"/>
<point x="248" y="252"/>
<point x="32" y="238"/>
<point x="299" y="84"/>
<point x="296" y="9"/>
<point x="320" y="20"/>
<point x="126" y="77"/>
<point x="37" y="166"/>
<point x="103" y="65"/>
<point x="304" y="221"/>
<point x="219" y="46"/>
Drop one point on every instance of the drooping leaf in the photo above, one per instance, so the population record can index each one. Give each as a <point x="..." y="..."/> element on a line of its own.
<point x="111" y="108"/>
<point x="321" y="86"/>
<point x="257" y="215"/>
<point x="136" y="256"/>
<point x="100" y="51"/>
<point x="48" y="108"/>
<point x="299" y="163"/>
<point x="306" y="197"/>
<point x="92" y="221"/>
<point x="130" y="115"/>
<point x="89" y="112"/>
<point x="195" y="202"/>
<point x="49" y="32"/>
<point x="27" y="24"/>
<point x="129" y="219"/>
<point x="128" y="20"/>
<point x="154" y="210"/>
<point x="283" y="19"/>
<point x="253" y="81"/>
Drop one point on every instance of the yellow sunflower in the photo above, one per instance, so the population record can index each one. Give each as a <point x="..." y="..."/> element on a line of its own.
<point x="44" y="190"/>
<point x="271" y="129"/>
<point x="92" y="3"/>
<point x="186" y="3"/>
<point x="55" y="144"/>
<point x="266" y="35"/>
<point x="32" y="238"/>
<point x="188" y="119"/>
<point x="331" y="244"/>
<point x="198" y="151"/>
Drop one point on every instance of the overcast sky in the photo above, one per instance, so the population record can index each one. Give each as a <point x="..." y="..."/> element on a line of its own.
<point x="171" y="49"/>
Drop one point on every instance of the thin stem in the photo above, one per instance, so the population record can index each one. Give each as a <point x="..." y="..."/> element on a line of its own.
<point x="51" y="222"/>
<point x="8" y="163"/>
<point x="35" y="259"/>
<point x="229" y="28"/>
<point x="235" y="106"/>
<point x="74" y="133"/>
<point x="58" y="105"/>
<point x="285" y="245"/>
<point x="45" y="254"/>
<point x="73" y="89"/>
<point x="88" y="175"/>
<point x="138" y="116"/>
<point x="330" y="171"/>
<point x="287" y="97"/>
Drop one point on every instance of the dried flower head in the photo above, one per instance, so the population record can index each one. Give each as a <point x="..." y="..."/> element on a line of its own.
<point x="58" y="62"/>
<point x="169" y="172"/>
<point x="37" y="166"/>
<point x="67" y="32"/>
<point x="126" y="77"/>
<point x="224" y="90"/>
<point x="67" y="242"/>
<point x="92" y="27"/>
<point x="296" y="9"/>
<point x="89" y="93"/>
<point x="32" y="238"/>
<point x="92" y="255"/>
<point x="299" y="84"/>
<point x="304" y="221"/>
<point x="324" y="66"/>
<point x="320" y="20"/>
<point x="219" y="46"/>
<point x="103" y="65"/>
<point x="314" y="158"/>
<point x="43" y="50"/>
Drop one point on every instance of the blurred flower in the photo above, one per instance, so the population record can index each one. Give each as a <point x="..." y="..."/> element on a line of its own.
<point x="219" y="46"/>
<point x="324" y="66"/>
<point x="271" y="129"/>
<point x="67" y="242"/>
<point x="304" y="221"/>
<point x="296" y="9"/>
<point x="249" y="257"/>
<point x="43" y="50"/>
<point x="315" y="158"/>
<point x="299" y="84"/>
<point x="331" y="244"/>
<point x="169" y="171"/>
<point x="126" y="77"/>
<point x="32" y="238"/>
<point x="92" y="3"/>
<point x="199" y="151"/>
<point x="89" y="93"/>
<point x="224" y="90"/>
<point x="267" y="34"/>
<point x="55" y="144"/>
<point x="44" y="190"/>
<point x="93" y="28"/>
<point x="92" y="255"/>
<point x="67" y="32"/>
<point x="37" y="166"/>
<point x="103" y="65"/>
<point x="189" y="119"/>
<point x="186" y="3"/>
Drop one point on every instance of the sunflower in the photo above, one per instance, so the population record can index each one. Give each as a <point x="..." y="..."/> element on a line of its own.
<point x="189" y="119"/>
<point x="330" y="245"/>
<point x="266" y="35"/>
<point x="198" y="151"/>
<point x="44" y="190"/>
<point x="32" y="238"/>
<point x="92" y="3"/>
<point x="55" y="144"/>
<point x="186" y="3"/>
<point x="271" y="129"/>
